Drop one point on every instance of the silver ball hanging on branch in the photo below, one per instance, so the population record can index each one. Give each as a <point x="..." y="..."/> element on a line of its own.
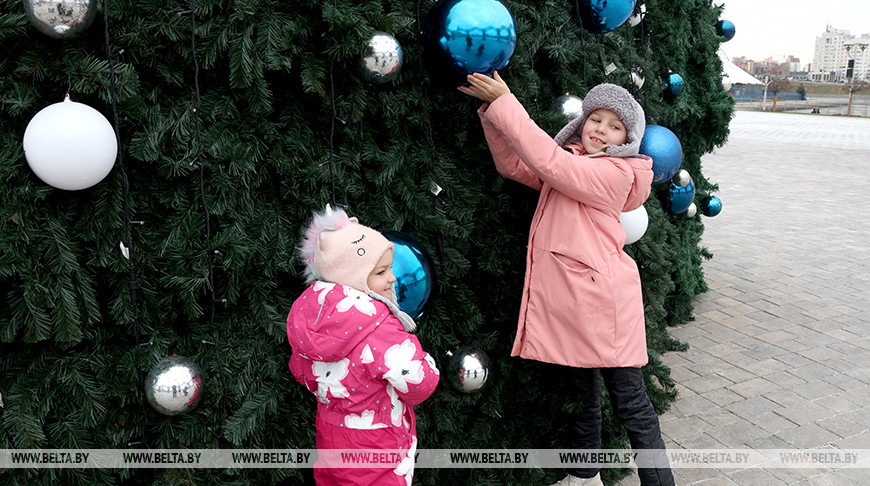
<point x="383" y="59"/>
<point x="637" y="77"/>
<point x="174" y="385"/>
<point x="61" y="19"/>
<point x="682" y="179"/>
<point x="468" y="369"/>
<point x="568" y="106"/>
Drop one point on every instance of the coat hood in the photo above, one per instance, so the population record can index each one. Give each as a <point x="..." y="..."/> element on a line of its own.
<point x="641" y="165"/>
<point x="320" y="318"/>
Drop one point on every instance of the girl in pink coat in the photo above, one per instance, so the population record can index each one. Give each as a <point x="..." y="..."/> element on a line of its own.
<point x="353" y="350"/>
<point x="582" y="306"/>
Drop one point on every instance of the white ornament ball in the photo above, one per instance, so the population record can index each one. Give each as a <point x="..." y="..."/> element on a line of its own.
<point x="726" y="83"/>
<point x="70" y="145"/>
<point x="635" y="223"/>
<point x="568" y="106"/>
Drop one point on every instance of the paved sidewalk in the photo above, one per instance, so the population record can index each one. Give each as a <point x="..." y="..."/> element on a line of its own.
<point x="780" y="348"/>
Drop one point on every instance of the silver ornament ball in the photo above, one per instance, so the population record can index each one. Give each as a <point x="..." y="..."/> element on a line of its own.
<point x="383" y="59"/>
<point x="568" y="106"/>
<point x="174" y="386"/>
<point x="682" y="178"/>
<point x="637" y="78"/>
<point x="692" y="211"/>
<point x="468" y="369"/>
<point x="61" y="19"/>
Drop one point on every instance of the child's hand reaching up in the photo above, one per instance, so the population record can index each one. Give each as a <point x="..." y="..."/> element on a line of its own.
<point x="485" y="88"/>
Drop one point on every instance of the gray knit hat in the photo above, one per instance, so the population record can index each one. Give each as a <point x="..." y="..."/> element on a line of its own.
<point x="618" y="100"/>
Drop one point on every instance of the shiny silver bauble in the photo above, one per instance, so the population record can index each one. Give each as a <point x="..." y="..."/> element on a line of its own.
<point x="468" y="369"/>
<point x="174" y="386"/>
<point x="682" y="178"/>
<point x="383" y="59"/>
<point x="61" y="19"/>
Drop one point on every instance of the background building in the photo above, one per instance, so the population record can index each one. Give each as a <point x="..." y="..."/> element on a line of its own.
<point x="834" y="49"/>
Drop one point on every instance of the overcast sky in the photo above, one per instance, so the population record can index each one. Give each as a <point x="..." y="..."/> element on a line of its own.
<point x="766" y="28"/>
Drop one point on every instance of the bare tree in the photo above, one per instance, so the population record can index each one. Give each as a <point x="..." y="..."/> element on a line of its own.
<point x="855" y="87"/>
<point x="777" y="85"/>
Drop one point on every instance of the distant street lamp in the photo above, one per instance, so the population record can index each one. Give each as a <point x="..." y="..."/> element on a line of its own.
<point x="850" y="71"/>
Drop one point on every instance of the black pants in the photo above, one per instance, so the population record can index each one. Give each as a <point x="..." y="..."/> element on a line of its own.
<point x="632" y="407"/>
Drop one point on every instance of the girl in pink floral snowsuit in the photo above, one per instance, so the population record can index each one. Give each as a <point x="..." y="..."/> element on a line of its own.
<point x="353" y="349"/>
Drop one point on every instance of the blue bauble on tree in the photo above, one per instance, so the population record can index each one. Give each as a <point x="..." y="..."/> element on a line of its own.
<point x="681" y="198"/>
<point x="711" y="206"/>
<point x="675" y="85"/>
<point x="415" y="275"/>
<point x="665" y="149"/>
<point x="598" y="16"/>
<point x="469" y="36"/>
<point x="726" y="29"/>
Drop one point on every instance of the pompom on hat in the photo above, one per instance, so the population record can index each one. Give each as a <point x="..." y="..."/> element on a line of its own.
<point x="337" y="249"/>
<point x="618" y="100"/>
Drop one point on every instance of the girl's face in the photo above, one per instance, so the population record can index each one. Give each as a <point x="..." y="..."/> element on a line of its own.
<point x="601" y="130"/>
<point x="381" y="279"/>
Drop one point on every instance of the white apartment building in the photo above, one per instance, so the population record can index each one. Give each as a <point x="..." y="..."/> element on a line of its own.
<point x="834" y="49"/>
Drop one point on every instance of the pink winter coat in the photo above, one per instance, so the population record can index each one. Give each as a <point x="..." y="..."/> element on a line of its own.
<point x="582" y="304"/>
<point x="367" y="373"/>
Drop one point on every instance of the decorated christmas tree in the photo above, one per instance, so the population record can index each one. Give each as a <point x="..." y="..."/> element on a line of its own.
<point x="233" y="121"/>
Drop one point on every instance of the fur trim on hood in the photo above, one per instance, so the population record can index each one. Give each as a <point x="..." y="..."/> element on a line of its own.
<point x="618" y="100"/>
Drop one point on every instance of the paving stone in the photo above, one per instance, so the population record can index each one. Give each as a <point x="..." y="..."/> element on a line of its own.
<point x="805" y="413"/>
<point x="807" y="436"/>
<point x="754" y="388"/>
<point x="815" y="389"/>
<point x="780" y="345"/>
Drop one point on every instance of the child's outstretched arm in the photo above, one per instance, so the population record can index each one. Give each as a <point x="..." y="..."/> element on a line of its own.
<point x="484" y="88"/>
<point x="507" y="162"/>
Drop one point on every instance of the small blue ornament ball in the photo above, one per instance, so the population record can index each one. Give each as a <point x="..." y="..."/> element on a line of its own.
<point x="469" y="36"/>
<point x="665" y="149"/>
<point x="599" y="16"/>
<point x="415" y="275"/>
<point x="681" y="198"/>
<point x="675" y="84"/>
<point x="711" y="206"/>
<point x="726" y="29"/>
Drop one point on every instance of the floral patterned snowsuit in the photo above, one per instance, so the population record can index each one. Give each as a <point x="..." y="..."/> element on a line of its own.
<point x="366" y="371"/>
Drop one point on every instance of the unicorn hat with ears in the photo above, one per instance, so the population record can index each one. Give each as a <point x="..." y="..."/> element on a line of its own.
<point x="337" y="249"/>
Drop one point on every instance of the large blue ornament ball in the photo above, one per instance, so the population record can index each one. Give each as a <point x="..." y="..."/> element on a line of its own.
<point x="675" y="84"/>
<point x="665" y="149"/>
<point x="711" y="206"/>
<point x="726" y="29"/>
<point x="415" y="275"/>
<point x="680" y="198"/>
<point x="598" y="16"/>
<point x="469" y="36"/>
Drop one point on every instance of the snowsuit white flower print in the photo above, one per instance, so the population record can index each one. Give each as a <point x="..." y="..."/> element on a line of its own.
<point x="367" y="373"/>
